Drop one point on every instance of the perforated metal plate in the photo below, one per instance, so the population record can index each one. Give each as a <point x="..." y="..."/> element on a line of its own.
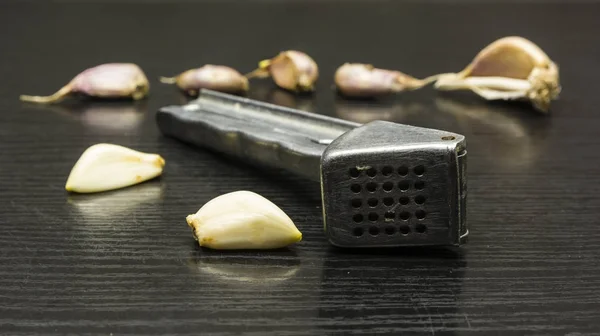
<point x="391" y="194"/>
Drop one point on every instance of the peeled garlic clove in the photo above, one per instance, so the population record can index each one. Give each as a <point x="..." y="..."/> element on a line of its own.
<point x="509" y="68"/>
<point x="242" y="220"/>
<point x="212" y="77"/>
<point x="111" y="80"/>
<point x="364" y="80"/>
<point x="106" y="167"/>
<point x="292" y="70"/>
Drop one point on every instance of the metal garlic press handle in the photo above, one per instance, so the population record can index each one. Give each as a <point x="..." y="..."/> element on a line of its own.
<point x="259" y="132"/>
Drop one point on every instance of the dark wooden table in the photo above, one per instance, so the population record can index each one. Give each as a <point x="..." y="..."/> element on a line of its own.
<point x="125" y="262"/>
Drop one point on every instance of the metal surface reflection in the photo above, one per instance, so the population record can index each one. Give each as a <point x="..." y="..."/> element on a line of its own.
<point x="238" y="268"/>
<point x="118" y="202"/>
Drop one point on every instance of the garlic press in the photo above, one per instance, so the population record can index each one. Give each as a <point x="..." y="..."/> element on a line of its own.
<point x="383" y="184"/>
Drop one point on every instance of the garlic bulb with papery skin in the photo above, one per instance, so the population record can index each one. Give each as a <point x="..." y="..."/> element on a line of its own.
<point x="111" y="80"/>
<point x="510" y="68"/>
<point x="364" y="80"/>
<point x="212" y="77"/>
<point x="242" y="220"/>
<point x="292" y="70"/>
<point x="105" y="167"/>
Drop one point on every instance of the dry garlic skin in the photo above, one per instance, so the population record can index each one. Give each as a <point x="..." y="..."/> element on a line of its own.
<point x="105" y="167"/>
<point x="291" y="70"/>
<point x="519" y="58"/>
<point x="113" y="80"/>
<point x="294" y="70"/>
<point x="284" y="75"/>
<point x="213" y="77"/>
<point x="110" y="80"/>
<point x="511" y="68"/>
<point x="242" y="220"/>
<point x="513" y="57"/>
<point x="364" y="80"/>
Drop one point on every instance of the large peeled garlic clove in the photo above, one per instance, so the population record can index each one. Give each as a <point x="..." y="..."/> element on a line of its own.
<point x="242" y="220"/>
<point x="509" y="68"/>
<point x="292" y="70"/>
<point x="106" y="167"/>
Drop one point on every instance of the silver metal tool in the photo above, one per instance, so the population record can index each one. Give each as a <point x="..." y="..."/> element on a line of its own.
<point x="383" y="184"/>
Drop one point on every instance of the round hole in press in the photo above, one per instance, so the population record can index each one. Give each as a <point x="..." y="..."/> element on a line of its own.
<point x="405" y="215"/>
<point x="374" y="230"/>
<point x="354" y="173"/>
<point x="404" y="229"/>
<point x="419" y="170"/>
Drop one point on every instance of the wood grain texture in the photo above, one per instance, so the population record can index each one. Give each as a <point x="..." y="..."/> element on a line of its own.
<point x="125" y="263"/>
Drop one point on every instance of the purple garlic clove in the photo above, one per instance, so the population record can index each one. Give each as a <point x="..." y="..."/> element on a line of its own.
<point x="292" y="70"/>
<point x="364" y="80"/>
<point x="212" y="77"/>
<point x="111" y="80"/>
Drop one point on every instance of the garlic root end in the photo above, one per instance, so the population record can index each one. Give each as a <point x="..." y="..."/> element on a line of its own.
<point x="190" y="220"/>
<point x="261" y="72"/>
<point x="168" y="80"/>
<point x="58" y="95"/>
<point x="258" y="73"/>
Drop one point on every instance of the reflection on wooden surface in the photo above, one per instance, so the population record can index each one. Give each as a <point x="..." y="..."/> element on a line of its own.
<point x="243" y="269"/>
<point x="113" y="116"/>
<point x="117" y="202"/>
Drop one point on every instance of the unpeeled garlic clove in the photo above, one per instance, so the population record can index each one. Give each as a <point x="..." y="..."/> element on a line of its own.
<point x="105" y="167"/>
<point x="212" y="77"/>
<point x="111" y="80"/>
<point x="292" y="70"/>
<point x="511" y="68"/>
<point x="242" y="220"/>
<point x="364" y="80"/>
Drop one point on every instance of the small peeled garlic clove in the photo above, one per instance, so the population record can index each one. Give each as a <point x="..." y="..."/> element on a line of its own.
<point x="364" y="80"/>
<point x="511" y="68"/>
<point x="292" y="70"/>
<point x="242" y="220"/>
<point x="105" y="167"/>
<point x="111" y="80"/>
<point x="212" y="77"/>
